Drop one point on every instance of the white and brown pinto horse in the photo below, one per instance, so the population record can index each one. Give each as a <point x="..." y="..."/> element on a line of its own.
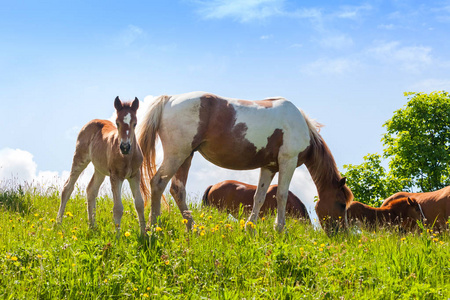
<point x="271" y="134"/>
<point x="230" y="195"/>
<point x="114" y="152"/>
<point x="435" y="206"/>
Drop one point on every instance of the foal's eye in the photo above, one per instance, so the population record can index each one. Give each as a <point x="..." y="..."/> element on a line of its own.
<point x="134" y="125"/>
<point x="117" y="124"/>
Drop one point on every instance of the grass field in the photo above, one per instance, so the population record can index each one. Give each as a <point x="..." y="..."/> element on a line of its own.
<point x="218" y="260"/>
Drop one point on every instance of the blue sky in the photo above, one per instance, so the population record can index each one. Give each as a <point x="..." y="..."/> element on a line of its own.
<point x="345" y="63"/>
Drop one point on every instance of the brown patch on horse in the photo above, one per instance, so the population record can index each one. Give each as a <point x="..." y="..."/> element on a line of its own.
<point x="218" y="132"/>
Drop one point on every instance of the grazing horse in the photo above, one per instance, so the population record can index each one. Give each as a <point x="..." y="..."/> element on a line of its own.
<point x="114" y="152"/>
<point x="271" y="134"/>
<point x="435" y="205"/>
<point x="403" y="211"/>
<point x="230" y="194"/>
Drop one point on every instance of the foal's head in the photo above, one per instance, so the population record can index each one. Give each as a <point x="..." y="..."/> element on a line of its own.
<point x="408" y="210"/>
<point x="126" y="122"/>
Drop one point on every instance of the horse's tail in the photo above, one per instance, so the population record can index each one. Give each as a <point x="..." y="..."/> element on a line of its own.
<point x="205" y="196"/>
<point x="147" y="134"/>
<point x="314" y="128"/>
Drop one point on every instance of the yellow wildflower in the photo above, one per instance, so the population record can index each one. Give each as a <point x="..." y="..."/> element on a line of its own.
<point x="185" y="221"/>
<point x="320" y="249"/>
<point x="69" y="214"/>
<point x="145" y="295"/>
<point x="202" y="215"/>
<point x="74" y="237"/>
<point x="14" y="258"/>
<point x="158" y="229"/>
<point x="52" y="220"/>
<point x="127" y="234"/>
<point x="202" y="233"/>
<point x="39" y="256"/>
<point x="209" y="217"/>
<point x="167" y="262"/>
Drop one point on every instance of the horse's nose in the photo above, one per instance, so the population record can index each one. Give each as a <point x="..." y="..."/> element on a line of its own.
<point x="125" y="148"/>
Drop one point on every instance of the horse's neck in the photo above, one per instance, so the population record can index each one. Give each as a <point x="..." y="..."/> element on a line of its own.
<point x="322" y="167"/>
<point x="386" y="212"/>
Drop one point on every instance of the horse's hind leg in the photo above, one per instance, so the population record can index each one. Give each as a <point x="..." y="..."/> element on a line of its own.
<point x="178" y="190"/>
<point x="92" y="192"/>
<point x="80" y="162"/>
<point x="158" y="183"/>
<point x="138" y="201"/>
<point x="265" y="177"/>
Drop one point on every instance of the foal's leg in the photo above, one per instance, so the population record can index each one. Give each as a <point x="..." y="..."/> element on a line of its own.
<point x="159" y="182"/>
<point x="178" y="190"/>
<point x="92" y="192"/>
<point x="116" y="186"/>
<point x="287" y="168"/>
<point x="265" y="178"/>
<point x="138" y="201"/>
<point x="80" y="162"/>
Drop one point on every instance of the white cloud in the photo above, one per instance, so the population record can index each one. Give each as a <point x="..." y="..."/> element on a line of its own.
<point x="266" y="37"/>
<point x="130" y="35"/>
<point x="410" y="58"/>
<point x="243" y="11"/>
<point x="329" y="66"/>
<point x="352" y="12"/>
<point x="17" y="164"/>
<point x="431" y="85"/>
<point x="337" y="41"/>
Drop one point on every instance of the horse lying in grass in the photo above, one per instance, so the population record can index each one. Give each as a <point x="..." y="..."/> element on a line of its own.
<point x="435" y="206"/>
<point x="403" y="212"/>
<point x="231" y="194"/>
<point x="114" y="152"/>
<point x="271" y="134"/>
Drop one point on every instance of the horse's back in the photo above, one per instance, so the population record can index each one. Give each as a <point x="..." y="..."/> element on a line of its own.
<point x="232" y="133"/>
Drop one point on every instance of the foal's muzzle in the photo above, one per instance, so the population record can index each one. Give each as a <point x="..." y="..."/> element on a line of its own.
<point x="125" y="148"/>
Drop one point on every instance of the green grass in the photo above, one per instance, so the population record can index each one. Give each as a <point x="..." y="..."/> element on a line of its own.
<point x="219" y="259"/>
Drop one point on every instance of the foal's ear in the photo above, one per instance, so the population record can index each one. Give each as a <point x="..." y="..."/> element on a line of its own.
<point x="411" y="201"/>
<point x="118" y="104"/>
<point x="342" y="182"/>
<point x="135" y="104"/>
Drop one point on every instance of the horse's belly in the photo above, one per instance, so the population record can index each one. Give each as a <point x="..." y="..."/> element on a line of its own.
<point x="238" y="159"/>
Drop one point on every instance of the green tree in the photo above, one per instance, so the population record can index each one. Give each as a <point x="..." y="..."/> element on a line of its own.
<point x="369" y="181"/>
<point x="417" y="141"/>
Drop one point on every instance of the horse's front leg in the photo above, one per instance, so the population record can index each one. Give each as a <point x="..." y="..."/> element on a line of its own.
<point x="265" y="177"/>
<point x="138" y="201"/>
<point x="116" y="186"/>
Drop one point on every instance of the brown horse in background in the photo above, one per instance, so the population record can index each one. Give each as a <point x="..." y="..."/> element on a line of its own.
<point x="404" y="212"/>
<point x="230" y="194"/>
<point x="435" y="206"/>
<point x="114" y="152"/>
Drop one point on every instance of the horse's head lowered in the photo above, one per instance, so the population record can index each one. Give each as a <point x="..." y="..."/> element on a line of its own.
<point x="331" y="209"/>
<point x="126" y="123"/>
